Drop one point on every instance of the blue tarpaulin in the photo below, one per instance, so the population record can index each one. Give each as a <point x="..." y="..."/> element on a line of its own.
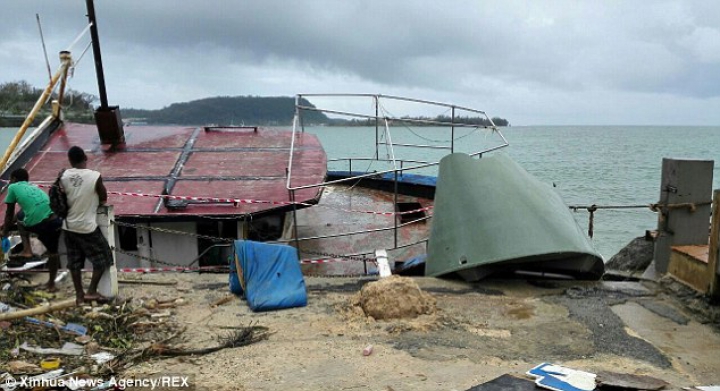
<point x="270" y="275"/>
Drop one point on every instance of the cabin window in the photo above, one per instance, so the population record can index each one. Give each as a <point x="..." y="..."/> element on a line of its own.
<point x="128" y="238"/>
<point x="413" y="208"/>
<point x="265" y="228"/>
<point x="212" y="251"/>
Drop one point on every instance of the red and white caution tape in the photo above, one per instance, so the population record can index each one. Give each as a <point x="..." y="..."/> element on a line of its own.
<point x="175" y="269"/>
<point x="251" y="201"/>
<point x="169" y="269"/>
<point x="329" y="260"/>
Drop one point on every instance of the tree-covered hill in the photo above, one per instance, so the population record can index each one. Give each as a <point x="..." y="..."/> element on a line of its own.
<point x="18" y="98"/>
<point x="226" y="110"/>
<point x="257" y="110"/>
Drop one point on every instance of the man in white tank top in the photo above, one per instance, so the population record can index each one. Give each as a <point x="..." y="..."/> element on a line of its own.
<point x="84" y="240"/>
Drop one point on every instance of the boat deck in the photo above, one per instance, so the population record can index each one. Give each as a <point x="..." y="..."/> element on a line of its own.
<point x="368" y="214"/>
<point x="224" y="162"/>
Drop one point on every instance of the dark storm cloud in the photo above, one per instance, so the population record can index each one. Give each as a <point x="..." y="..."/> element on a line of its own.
<point x="504" y="52"/>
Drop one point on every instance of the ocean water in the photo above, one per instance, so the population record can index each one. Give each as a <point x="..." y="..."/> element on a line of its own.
<point x="602" y="165"/>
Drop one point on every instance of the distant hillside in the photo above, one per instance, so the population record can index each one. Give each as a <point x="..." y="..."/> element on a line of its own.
<point x="257" y="110"/>
<point x="226" y="110"/>
<point x="18" y="98"/>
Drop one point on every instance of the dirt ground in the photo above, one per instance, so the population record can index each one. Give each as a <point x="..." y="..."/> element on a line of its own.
<point x="476" y="332"/>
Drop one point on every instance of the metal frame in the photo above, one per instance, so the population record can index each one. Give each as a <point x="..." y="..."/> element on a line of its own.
<point x="385" y="124"/>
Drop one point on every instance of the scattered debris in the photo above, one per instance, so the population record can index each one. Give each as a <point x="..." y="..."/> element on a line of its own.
<point x="20" y="367"/>
<point x="243" y="337"/>
<point x="68" y="349"/>
<point x="144" y="282"/>
<point x="95" y="341"/>
<point x="606" y="379"/>
<point x="50" y="363"/>
<point x="222" y="301"/>
<point x="505" y="382"/>
<point x="102" y="357"/>
<point x="73" y="328"/>
<point x="382" y="263"/>
<point x="559" y="378"/>
<point x="60" y="305"/>
<point x="368" y="350"/>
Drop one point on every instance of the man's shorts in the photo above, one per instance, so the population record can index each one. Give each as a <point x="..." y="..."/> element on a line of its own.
<point x="93" y="247"/>
<point x="48" y="231"/>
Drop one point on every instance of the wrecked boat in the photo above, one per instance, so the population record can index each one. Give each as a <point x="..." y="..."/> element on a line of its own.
<point x="493" y="217"/>
<point x="181" y="195"/>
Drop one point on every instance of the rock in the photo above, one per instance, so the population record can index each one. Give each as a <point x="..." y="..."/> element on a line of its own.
<point x="394" y="297"/>
<point x="150" y="304"/>
<point x="636" y="256"/>
<point x="629" y="381"/>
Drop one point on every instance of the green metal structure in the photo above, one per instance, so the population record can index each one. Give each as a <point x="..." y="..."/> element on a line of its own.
<point x="491" y="216"/>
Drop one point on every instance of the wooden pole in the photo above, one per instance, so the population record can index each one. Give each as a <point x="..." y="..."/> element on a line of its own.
<point x="43" y="309"/>
<point x="714" y="243"/>
<point x="62" y="72"/>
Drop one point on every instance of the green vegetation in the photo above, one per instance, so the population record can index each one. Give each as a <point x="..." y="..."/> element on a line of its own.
<point x="18" y="98"/>
<point x="257" y="110"/>
<point x="226" y="110"/>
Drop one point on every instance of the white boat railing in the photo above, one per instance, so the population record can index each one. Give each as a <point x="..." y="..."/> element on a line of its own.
<point x="386" y="122"/>
<point x="383" y="122"/>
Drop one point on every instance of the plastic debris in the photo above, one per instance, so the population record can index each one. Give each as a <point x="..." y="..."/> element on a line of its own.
<point x="70" y="327"/>
<point x="25" y="266"/>
<point x="46" y="376"/>
<point x="68" y="349"/>
<point x="102" y="357"/>
<point x="559" y="378"/>
<point x="368" y="350"/>
<point x="382" y="263"/>
<point x="50" y="363"/>
<point x="5" y="244"/>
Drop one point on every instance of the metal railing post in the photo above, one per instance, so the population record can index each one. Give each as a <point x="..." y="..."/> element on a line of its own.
<point x="395" y="208"/>
<point x="452" y="131"/>
<point x="377" y="136"/>
<point x="295" y="222"/>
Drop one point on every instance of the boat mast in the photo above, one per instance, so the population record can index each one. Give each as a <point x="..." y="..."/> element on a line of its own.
<point x="107" y="118"/>
<point x="96" y="53"/>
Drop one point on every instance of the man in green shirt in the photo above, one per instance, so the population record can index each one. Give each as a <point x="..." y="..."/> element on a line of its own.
<point x="36" y="217"/>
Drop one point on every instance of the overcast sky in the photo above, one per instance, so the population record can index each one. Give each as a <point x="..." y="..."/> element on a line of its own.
<point x="533" y="62"/>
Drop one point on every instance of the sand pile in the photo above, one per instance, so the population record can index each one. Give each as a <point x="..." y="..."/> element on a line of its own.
<point x="394" y="297"/>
